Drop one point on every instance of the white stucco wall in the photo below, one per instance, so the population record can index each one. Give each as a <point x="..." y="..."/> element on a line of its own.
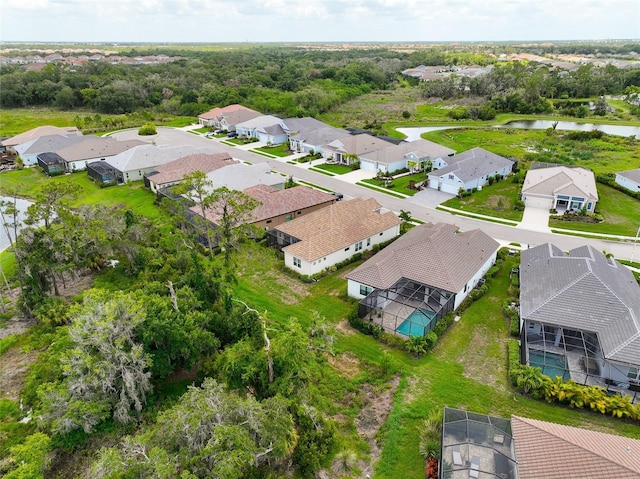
<point x="309" y="268"/>
<point x="462" y="294"/>
<point x="622" y="181"/>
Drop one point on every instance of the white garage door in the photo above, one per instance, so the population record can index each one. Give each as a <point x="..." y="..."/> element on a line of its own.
<point x="539" y="202"/>
<point x="367" y="165"/>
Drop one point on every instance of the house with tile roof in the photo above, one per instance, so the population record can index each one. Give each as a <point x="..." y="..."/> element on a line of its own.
<point x="415" y="155"/>
<point x="78" y="155"/>
<point x="420" y="277"/>
<point x="350" y="148"/>
<point x="30" y="150"/>
<point x="580" y="317"/>
<point x="467" y="170"/>
<point x="313" y="139"/>
<point x="629" y="179"/>
<point x="277" y="206"/>
<point x="560" y="187"/>
<point x="133" y="164"/>
<point x="331" y="235"/>
<point x="483" y="446"/>
<point x="241" y="176"/>
<point x="226" y="118"/>
<point x="173" y="172"/>
<point x="11" y="143"/>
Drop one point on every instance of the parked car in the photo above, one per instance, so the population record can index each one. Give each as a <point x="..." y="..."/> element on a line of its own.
<point x="338" y="196"/>
<point x="232" y="134"/>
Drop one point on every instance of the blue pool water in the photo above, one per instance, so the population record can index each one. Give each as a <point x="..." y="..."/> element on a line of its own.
<point x="415" y="324"/>
<point x="552" y="364"/>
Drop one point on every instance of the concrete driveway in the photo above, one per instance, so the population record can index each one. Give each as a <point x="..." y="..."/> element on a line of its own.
<point x="430" y="197"/>
<point x="535" y="219"/>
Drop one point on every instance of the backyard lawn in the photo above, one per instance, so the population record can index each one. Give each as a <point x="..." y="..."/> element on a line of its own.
<point x="467" y="369"/>
<point x="621" y="214"/>
<point x="495" y="200"/>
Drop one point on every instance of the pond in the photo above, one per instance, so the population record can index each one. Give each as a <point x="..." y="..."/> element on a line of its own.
<point x="22" y="205"/>
<point x="618" y="130"/>
<point x="413" y="133"/>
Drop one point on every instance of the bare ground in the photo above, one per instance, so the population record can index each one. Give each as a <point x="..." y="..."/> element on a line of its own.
<point x="13" y="367"/>
<point x="347" y="364"/>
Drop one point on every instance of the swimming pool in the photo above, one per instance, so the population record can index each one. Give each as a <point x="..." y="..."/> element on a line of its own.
<point x="416" y="323"/>
<point x="551" y="364"/>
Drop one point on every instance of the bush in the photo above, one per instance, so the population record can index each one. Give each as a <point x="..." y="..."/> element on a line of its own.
<point x="513" y="357"/>
<point x="443" y="324"/>
<point x="147" y="129"/>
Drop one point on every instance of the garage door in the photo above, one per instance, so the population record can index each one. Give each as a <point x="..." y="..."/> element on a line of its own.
<point x="367" y="165"/>
<point x="539" y="202"/>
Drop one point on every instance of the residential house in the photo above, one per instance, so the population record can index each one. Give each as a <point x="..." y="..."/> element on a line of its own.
<point x="481" y="446"/>
<point x="319" y="240"/>
<point x="580" y="317"/>
<point x="416" y="155"/>
<point x="279" y="206"/>
<point x="35" y="133"/>
<point x="29" y="150"/>
<point x="173" y="173"/>
<point x="468" y="170"/>
<point x="348" y="149"/>
<point x="560" y="187"/>
<point x="306" y="141"/>
<point x="242" y="176"/>
<point x="629" y="179"/>
<point x="133" y="164"/>
<point x="77" y="155"/>
<point x="226" y="118"/>
<point x="265" y="128"/>
<point x="420" y="277"/>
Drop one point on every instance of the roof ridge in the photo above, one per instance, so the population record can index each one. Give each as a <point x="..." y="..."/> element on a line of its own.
<point x="595" y="451"/>
<point x="559" y="292"/>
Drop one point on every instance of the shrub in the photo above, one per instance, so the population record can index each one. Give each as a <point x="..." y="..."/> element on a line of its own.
<point x="147" y="129"/>
<point x="443" y="324"/>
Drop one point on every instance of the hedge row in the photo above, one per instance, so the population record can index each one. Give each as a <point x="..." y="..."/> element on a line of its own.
<point x="610" y="180"/>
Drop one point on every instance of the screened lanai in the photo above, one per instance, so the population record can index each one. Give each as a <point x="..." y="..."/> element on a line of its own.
<point x="476" y="446"/>
<point x="408" y="308"/>
<point x="576" y="355"/>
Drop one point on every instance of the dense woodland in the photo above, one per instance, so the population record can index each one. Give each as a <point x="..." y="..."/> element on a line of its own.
<point x="292" y="81"/>
<point x="259" y="405"/>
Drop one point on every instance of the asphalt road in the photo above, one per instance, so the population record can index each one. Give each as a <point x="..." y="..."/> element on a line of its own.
<point x="502" y="233"/>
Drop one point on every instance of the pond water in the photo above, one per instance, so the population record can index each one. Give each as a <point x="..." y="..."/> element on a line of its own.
<point x="413" y="133"/>
<point x="618" y="130"/>
<point x="22" y="205"/>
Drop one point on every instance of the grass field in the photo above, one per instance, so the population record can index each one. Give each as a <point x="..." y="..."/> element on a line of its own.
<point x="400" y="184"/>
<point x="29" y="181"/>
<point x="492" y="200"/>
<point x="335" y="169"/>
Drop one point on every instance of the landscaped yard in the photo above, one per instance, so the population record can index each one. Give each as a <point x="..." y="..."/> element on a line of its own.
<point x="492" y="200"/>
<point x="335" y="169"/>
<point x="621" y="214"/>
<point x="277" y="150"/>
<point x="400" y="185"/>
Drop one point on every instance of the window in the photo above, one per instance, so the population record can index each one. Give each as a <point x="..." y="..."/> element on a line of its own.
<point x="358" y="246"/>
<point x="299" y="212"/>
<point x="451" y="177"/>
<point x="268" y="222"/>
<point x="365" y="290"/>
<point x="347" y="248"/>
<point x="297" y="262"/>
<point x="368" y="241"/>
<point x="633" y="373"/>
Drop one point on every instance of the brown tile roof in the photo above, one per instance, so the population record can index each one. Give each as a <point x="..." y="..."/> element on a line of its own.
<point x="280" y="202"/>
<point x="337" y="226"/>
<point x="41" y="131"/>
<point x="547" y="450"/>
<point x="175" y="171"/>
<point x="432" y="254"/>
<point x="216" y="112"/>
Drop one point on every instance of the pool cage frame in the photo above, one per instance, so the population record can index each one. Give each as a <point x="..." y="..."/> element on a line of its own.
<point x="583" y="355"/>
<point x="390" y="308"/>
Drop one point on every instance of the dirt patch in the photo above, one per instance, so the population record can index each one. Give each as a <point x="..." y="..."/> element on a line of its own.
<point x="343" y="328"/>
<point x="15" y="326"/>
<point x="371" y="418"/>
<point x="13" y="368"/>
<point x="289" y="290"/>
<point x="347" y="364"/>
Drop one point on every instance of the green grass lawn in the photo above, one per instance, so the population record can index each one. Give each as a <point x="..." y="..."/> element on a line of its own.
<point x="495" y="200"/>
<point x="400" y="185"/>
<point x="621" y="214"/>
<point x="381" y="189"/>
<point x="278" y="150"/>
<point x="29" y="181"/>
<point x="335" y="169"/>
<point x="467" y="369"/>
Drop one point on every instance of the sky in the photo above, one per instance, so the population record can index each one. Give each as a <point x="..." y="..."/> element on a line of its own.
<point x="213" y="21"/>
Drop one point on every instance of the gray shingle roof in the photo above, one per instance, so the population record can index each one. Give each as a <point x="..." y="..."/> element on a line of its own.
<point x="421" y="148"/>
<point x="242" y="176"/>
<point x="320" y="136"/>
<point x="633" y="175"/>
<point x="584" y="291"/>
<point x="41" y="131"/>
<point x="432" y="254"/>
<point x="149" y="156"/>
<point x="472" y="164"/>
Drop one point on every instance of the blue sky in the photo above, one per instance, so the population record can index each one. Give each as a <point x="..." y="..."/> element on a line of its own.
<point x="211" y="21"/>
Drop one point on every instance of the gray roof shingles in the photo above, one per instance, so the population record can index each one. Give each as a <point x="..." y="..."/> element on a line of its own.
<point x="472" y="164"/>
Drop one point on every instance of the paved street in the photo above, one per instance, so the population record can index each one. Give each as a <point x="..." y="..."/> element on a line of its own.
<point x="527" y="233"/>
